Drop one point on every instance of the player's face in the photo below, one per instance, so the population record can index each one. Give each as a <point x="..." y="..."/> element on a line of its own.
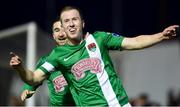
<point x="72" y="24"/>
<point x="59" y="34"/>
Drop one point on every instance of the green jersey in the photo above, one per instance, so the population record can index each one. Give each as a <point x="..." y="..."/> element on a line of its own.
<point x="89" y="70"/>
<point x="58" y="87"/>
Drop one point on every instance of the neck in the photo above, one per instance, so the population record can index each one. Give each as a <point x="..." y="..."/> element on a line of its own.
<point x="76" y="41"/>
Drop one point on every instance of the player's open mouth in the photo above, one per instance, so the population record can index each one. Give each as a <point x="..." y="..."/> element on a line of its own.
<point x="61" y="39"/>
<point x="72" y="30"/>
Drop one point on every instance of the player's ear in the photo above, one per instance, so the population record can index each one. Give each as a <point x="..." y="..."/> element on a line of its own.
<point x="53" y="36"/>
<point x="83" y="23"/>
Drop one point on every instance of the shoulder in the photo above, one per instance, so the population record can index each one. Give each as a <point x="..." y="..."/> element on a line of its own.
<point x="41" y="61"/>
<point x="43" y="57"/>
<point x="97" y="33"/>
<point x="102" y="33"/>
<point x="55" y="51"/>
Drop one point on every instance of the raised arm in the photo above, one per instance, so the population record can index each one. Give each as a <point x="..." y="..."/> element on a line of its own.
<point x="143" y="41"/>
<point x="29" y="77"/>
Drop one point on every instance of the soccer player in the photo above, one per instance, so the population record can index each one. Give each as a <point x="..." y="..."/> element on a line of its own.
<point x="86" y="64"/>
<point x="57" y="85"/>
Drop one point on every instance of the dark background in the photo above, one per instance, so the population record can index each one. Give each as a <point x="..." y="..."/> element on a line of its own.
<point x="127" y="17"/>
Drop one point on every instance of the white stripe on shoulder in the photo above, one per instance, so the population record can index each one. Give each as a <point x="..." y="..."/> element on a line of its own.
<point x="103" y="77"/>
<point x="48" y="66"/>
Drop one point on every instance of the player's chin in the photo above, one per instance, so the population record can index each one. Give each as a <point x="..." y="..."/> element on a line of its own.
<point x="73" y="35"/>
<point x="62" y="42"/>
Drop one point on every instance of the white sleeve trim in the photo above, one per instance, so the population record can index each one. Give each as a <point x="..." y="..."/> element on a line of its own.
<point x="48" y="66"/>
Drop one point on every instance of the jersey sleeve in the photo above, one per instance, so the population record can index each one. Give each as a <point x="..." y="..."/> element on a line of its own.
<point x="51" y="63"/>
<point x="112" y="41"/>
<point x="29" y="87"/>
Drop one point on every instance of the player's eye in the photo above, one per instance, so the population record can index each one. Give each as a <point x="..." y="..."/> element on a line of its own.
<point x="56" y="30"/>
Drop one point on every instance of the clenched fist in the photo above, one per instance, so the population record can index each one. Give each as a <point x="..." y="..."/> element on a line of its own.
<point x="15" y="60"/>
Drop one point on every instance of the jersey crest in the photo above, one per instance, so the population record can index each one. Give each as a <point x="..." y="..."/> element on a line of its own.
<point x="92" y="64"/>
<point x="115" y="34"/>
<point x="92" y="47"/>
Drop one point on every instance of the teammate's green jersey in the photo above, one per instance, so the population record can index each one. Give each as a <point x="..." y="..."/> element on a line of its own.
<point x="58" y="88"/>
<point x="89" y="70"/>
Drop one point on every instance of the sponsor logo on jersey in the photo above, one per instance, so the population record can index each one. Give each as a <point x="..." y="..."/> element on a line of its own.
<point x="59" y="83"/>
<point x="92" y="47"/>
<point x="92" y="64"/>
<point x="115" y="34"/>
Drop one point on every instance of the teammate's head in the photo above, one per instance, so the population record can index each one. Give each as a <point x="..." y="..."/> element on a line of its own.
<point x="73" y="23"/>
<point x="58" y="33"/>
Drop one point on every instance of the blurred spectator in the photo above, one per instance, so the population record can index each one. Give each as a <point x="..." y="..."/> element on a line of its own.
<point x="178" y="98"/>
<point x="143" y="100"/>
<point x="132" y="101"/>
<point x="15" y="91"/>
<point x="173" y="99"/>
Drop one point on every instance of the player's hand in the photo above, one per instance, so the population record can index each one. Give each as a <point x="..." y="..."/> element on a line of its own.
<point x="15" y="60"/>
<point x="170" y="31"/>
<point x="26" y="94"/>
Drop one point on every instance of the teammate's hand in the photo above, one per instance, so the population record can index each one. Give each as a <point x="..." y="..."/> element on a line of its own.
<point x="170" y="31"/>
<point x="26" y="94"/>
<point x="15" y="60"/>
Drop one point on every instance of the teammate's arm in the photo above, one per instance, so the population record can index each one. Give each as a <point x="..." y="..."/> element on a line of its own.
<point x="144" y="41"/>
<point x="28" y="91"/>
<point x="29" y="77"/>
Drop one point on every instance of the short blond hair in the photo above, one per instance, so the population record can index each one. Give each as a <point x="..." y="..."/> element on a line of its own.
<point x="67" y="8"/>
